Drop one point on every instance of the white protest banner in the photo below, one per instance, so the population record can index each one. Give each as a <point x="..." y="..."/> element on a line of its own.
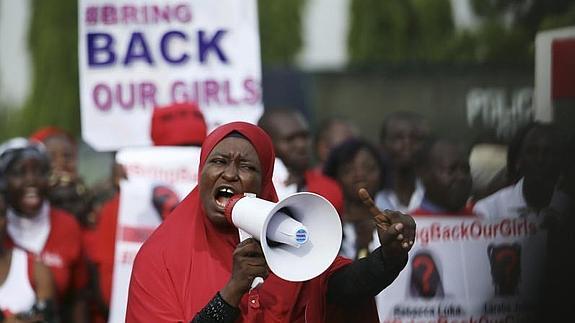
<point x="464" y="269"/>
<point x="135" y="55"/>
<point x="158" y="178"/>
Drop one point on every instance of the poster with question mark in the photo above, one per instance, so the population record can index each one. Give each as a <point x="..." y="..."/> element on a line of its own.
<point x="468" y="269"/>
<point x="157" y="179"/>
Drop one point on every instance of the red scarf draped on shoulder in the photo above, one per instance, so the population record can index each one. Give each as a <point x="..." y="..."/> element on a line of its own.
<point x="187" y="260"/>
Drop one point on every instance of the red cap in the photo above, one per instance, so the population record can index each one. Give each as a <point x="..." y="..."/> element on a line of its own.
<point x="44" y="133"/>
<point x="178" y="124"/>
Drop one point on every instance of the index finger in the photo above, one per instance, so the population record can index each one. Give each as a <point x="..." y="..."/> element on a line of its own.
<point x="370" y="204"/>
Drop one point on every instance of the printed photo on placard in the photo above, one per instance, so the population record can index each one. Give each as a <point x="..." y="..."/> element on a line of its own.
<point x="466" y="269"/>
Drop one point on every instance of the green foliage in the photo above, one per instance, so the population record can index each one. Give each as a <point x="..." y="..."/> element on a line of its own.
<point x="280" y="30"/>
<point x="499" y="44"/>
<point x="513" y="41"/>
<point x="559" y="20"/>
<point x="434" y="29"/>
<point x="493" y="8"/>
<point x="396" y="31"/>
<point x="53" y="44"/>
<point x="462" y="48"/>
<point x="379" y="31"/>
<point x="9" y="123"/>
<point x="422" y="31"/>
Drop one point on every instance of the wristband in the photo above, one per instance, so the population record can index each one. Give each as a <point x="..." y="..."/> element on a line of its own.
<point x="217" y="310"/>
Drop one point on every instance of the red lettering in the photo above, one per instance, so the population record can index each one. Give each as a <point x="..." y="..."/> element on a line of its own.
<point x="129" y="103"/>
<point x="253" y="91"/>
<point x="178" y="92"/>
<point x="488" y="230"/>
<point x="129" y="14"/>
<point x="102" y="97"/>
<point x="495" y="229"/>
<point x="227" y="90"/>
<point x="212" y="89"/>
<point x="455" y="233"/>
<point x="446" y="234"/>
<point x="435" y="231"/>
<point x="125" y="95"/>
<point x="183" y="13"/>
<point x="475" y="230"/>
<point x="464" y="231"/>
<point x="148" y="94"/>
<point x="505" y="228"/>
<point x="423" y="236"/>
<point x="110" y="14"/>
<point x="209" y="92"/>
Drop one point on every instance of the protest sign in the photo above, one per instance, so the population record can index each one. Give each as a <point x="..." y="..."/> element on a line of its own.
<point x="464" y="269"/>
<point x="135" y="55"/>
<point x="158" y="178"/>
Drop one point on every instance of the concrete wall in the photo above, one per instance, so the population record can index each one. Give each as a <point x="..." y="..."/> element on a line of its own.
<point x="462" y="103"/>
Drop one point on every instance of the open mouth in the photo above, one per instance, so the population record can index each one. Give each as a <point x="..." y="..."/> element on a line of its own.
<point x="223" y="195"/>
<point x="31" y="197"/>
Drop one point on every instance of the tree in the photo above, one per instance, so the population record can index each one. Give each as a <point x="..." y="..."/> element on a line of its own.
<point x="422" y="31"/>
<point x="280" y="30"/>
<point x="54" y="98"/>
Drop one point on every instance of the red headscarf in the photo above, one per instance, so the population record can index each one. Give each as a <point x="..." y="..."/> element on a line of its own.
<point x="44" y="133"/>
<point x="187" y="260"/>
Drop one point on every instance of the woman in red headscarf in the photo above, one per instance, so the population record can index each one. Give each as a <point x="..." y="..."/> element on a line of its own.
<point x="193" y="267"/>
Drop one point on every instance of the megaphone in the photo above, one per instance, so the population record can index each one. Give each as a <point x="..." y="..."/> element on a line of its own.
<point x="300" y="235"/>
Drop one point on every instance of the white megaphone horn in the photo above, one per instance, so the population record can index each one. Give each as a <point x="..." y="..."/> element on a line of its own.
<point x="300" y="235"/>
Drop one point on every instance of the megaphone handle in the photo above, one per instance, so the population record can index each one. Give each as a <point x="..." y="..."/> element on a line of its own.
<point x="258" y="280"/>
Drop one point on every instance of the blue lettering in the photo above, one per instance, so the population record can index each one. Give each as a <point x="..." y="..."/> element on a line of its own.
<point x="100" y="49"/>
<point x="212" y="44"/>
<point x="138" y="49"/>
<point x="102" y="52"/>
<point x="164" y="47"/>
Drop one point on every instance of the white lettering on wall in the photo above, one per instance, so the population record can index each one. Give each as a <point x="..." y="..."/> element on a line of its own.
<point x="499" y="109"/>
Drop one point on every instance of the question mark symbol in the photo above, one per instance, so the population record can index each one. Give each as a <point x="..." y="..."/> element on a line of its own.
<point x="427" y="263"/>
<point x="511" y="263"/>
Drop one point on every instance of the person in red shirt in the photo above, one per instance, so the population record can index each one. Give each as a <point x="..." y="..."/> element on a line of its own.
<point x="444" y="171"/>
<point x="34" y="225"/>
<point x="292" y="143"/>
<point x="100" y="243"/>
<point x="26" y="286"/>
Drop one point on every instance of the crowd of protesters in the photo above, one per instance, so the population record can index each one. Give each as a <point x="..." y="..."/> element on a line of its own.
<point x="58" y="235"/>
